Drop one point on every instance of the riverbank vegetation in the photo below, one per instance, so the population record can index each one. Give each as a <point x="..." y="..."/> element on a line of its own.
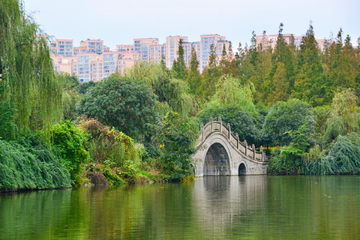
<point x="299" y="102"/>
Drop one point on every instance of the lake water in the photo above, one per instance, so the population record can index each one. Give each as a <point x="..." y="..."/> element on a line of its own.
<point x="213" y="207"/>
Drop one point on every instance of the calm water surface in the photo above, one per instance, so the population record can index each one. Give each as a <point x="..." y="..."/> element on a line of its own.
<point x="248" y="207"/>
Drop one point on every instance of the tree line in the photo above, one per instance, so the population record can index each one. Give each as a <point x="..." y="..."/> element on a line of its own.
<point x="301" y="103"/>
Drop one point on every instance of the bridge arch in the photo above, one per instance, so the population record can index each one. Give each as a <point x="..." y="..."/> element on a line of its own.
<point x="217" y="161"/>
<point x="242" y="169"/>
<point x="220" y="152"/>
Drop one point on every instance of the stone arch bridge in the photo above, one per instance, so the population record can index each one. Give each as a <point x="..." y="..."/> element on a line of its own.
<point x="220" y="152"/>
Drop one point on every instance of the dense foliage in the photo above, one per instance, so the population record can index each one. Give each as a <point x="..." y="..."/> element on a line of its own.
<point x="296" y="99"/>
<point x="176" y="138"/>
<point x="290" y="159"/>
<point x="119" y="102"/>
<point x="284" y="117"/>
<point x="106" y="143"/>
<point x="70" y="95"/>
<point x="172" y="93"/>
<point x="344" y="115"/>
<point x="342" y="156"/>
<point x="30" y="163"/>
<point x="27" y="81"/>
<point x="71" y="143"/>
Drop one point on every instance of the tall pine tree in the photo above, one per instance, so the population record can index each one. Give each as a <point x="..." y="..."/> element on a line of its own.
<point x="179" y="66"/>
<point x="194" y="77"/>
<point x="281" y="85"/>
<point x="211" y="74"/>
<point x="263" y="85"/>
<point x="309" y="80"/>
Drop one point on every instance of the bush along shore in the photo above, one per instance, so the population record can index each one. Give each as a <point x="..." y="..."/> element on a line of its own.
<point x="90" y="153"/>
<point x="56" y="131"/>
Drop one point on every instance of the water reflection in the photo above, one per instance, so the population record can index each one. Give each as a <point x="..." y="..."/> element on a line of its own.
<point x="212" y="207"/>
<point x="238" y="194"/>
<point x="222" y="201"/>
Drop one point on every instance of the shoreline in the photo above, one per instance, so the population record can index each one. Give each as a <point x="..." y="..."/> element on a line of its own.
<point x="86" y="185"/>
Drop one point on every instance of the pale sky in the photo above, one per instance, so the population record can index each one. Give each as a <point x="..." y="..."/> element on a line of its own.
<point x="120" y="21"/>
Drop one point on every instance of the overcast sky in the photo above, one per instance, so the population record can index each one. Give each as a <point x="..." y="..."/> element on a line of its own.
<point x="120" y="21"/>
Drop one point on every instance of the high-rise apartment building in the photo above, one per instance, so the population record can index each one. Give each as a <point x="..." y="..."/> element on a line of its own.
<point x="61" y="47"/>
<point x="202" y="49"/>
<point x="157" y="51"/>
<point x="125" y="48"/>
<point x="272" y="39"/>
<point x="79" y="50"/>
<point x="171" y="51"/>
<point x="94" y="61"/>
<point x="205" y="44"/>
<point x="63" y="64"/>
<point x="82" y="65"/>
<point x="142" y="46"/>
<point x="118" y="62"/>
<point x="92" y="66"/>
<point x="91" y="60"/>
<point x="93" y="46"/>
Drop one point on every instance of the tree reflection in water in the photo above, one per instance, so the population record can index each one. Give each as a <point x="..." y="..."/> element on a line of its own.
<point x="212" y="207"/>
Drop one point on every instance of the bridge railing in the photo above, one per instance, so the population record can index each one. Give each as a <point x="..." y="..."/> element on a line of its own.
<point x="218" y="126"/>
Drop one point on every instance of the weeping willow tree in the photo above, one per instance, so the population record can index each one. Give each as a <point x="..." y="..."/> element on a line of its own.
<point x="172" y="93"/>
<point x="28" y="85"/>
<point x="70" y="95"/>
<point x="344" y="115"/>
<point x="341" y="153"/>
<point x="229" y="91"/>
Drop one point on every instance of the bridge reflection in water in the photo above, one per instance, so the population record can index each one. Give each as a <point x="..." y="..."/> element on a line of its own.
<point x="222" y="201"/>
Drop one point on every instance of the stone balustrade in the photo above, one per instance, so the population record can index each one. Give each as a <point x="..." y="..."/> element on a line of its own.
<point x="218" y="126"/>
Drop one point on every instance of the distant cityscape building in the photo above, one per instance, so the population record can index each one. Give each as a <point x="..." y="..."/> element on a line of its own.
<point x="125" y="48"/>
<point x="272" y="39"/>
<point x="62" y="47"/>
<point x="142" y="46"/>
<point x="94" y="61"/>
<point x="150" y="49"/>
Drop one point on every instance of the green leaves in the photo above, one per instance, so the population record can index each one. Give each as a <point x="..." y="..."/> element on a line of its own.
<point x="344" y="115"/>
<point x="27" y="72"/>
<point x="286" y="116"/>
<point x="120" y="102"/>
<point x="170" y="92"/>
<point x="71" y="143"/>
<point x="342" y="156"/>
<point x="30" y="163"/>
<point x="108" y="144"/>
<point x="290" y="159"/>
<point x="175" y="137"/>
<point x="7" y="115"/>
<point x="179" y="66"/>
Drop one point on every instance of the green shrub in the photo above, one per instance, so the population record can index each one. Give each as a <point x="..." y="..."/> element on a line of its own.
<point x="30" y="163"/>
<point x="342" y="156"/>
<point x="111" y="173"/>
<point x="71" y="143"/>
<point x="176" y="138"/>
<point x="290" y="159"/>
<point x="344" y="115"/>
<point x="284" y="117"/>
<point x="69" y="99"/>
<point x="7" y="125"/>
<point x="121" y="103"/>
<point x="322" y="113"/>
<point x="107" y="144"/>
